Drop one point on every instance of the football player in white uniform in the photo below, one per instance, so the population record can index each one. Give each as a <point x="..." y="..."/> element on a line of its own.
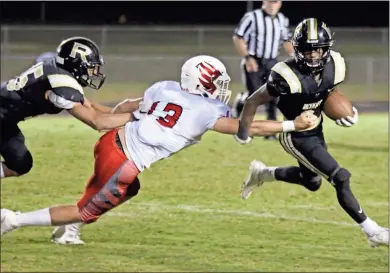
<point x="171" y="117"/>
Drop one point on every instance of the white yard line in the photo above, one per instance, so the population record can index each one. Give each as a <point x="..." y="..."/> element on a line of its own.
<point x="371" y="204"/>
<point x="198" y="209"/>
<point x="204" y="210"/>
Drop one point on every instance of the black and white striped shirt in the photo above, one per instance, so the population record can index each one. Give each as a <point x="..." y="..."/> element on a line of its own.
<point x="263" y="34"/>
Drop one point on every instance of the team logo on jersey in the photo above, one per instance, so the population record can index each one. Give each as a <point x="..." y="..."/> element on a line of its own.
<point x="314" y="105"/>
<point x="208" y="74"/>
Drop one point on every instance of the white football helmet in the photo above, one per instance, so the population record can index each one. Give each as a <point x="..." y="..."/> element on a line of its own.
<point x="206" y="76"/>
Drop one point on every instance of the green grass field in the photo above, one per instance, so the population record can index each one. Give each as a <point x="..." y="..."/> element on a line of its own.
<point x="189" y="215"/>
<point x="116" y="92"/>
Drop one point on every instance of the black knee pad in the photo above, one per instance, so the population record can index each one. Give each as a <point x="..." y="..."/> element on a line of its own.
<point x="313" y="183"/>
<point x="133" y="188"/>
<point x="341" y="178"/>
<point x="21" y="164"/>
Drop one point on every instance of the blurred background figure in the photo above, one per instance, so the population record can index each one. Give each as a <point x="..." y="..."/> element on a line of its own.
<point x="257" y="39"/>
<point x="122" y="19"/>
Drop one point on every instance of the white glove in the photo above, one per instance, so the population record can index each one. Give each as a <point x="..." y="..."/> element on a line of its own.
<point x="241" y="141"/>
<point x="349" y="121"/>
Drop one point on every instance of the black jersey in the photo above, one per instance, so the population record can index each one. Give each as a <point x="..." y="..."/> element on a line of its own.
<point x="25" y="96"/>
<point x="299" y="91"/>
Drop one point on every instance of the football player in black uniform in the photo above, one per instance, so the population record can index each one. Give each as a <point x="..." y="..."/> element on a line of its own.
<point x="49" y="87"/>
<point x="43" y="56"/>
<point x="303" y="83"/>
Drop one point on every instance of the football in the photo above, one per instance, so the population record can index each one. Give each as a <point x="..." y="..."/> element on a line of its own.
<point x="337" y="106"/>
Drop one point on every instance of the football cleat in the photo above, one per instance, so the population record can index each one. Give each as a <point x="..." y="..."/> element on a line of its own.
<point x="66" y="235"/>
<point x="380" y="237"/>
<point x="252" y="181"/>
<point x="8" y="221"/>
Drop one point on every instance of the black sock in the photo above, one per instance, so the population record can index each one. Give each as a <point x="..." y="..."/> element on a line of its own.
<point x="288" y="174"/>
<point x="293" y="175"/>
<point x="349" y="203"/>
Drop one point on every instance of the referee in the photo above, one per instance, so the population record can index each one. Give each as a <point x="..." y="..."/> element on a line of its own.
<point x="257" y="39"/>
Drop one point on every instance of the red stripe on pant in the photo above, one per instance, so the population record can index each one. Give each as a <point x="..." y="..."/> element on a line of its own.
<point x="113" y="176"/>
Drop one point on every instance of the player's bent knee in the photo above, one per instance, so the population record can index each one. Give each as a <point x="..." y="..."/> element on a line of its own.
<point x="133" y="188"/>
<point x="87" y="217"/>
<point x="313" y="184"/>
<point x="21" y="165"/>
<point x="341" y="178"/>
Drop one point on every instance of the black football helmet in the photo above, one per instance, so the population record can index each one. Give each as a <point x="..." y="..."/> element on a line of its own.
<point x="312" y="34"/>
<point x="78" y="54"/>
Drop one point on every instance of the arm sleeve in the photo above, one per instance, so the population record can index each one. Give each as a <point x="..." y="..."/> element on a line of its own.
<point x="213" y="112"/>
<point x="60" y="101"/>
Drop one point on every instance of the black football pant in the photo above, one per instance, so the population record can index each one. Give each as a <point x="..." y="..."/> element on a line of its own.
<point x="315" y="162"/>
<point x="13" y="149"/>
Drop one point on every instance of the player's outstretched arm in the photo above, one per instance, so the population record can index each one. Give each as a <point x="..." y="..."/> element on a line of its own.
<point x="125" y="106"/>
<point x="304" y="121"/>
<point x="267" y="127"/>
<point x="259" y="97"/>
<point x="101" y="108"/>
<point x="100" y="121"/>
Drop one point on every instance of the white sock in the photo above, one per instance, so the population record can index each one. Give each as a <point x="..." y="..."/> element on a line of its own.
<point x="34" y="218"/>
<point x="75" y="227"/>
<point x="271" y="174"/>
<point x="2" y="175"/>
<point x="369" y="226"/>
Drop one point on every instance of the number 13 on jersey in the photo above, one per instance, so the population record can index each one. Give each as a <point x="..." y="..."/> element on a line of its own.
<point x="168" y="113"/>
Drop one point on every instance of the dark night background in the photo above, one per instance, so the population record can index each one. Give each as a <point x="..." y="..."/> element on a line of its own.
<point x="335" y="13"/>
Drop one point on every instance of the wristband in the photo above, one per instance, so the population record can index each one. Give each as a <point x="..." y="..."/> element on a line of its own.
<point x="288" y="126"/>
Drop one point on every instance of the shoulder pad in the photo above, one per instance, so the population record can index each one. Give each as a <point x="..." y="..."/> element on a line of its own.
<point x="289" y="76"/>
<point x="290" y="61"/>
<point x="63" y="80"/>
<point x="154" y="88"/>
<point x="66" y="87"/>
<point x="50" y="67"/>
<point x="339" y="67"/>
<point x="276" y="85"/>
<point x="69" y="93"/>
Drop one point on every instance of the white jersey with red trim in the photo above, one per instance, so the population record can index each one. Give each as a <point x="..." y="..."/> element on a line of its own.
<point x="170" y="120"/>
